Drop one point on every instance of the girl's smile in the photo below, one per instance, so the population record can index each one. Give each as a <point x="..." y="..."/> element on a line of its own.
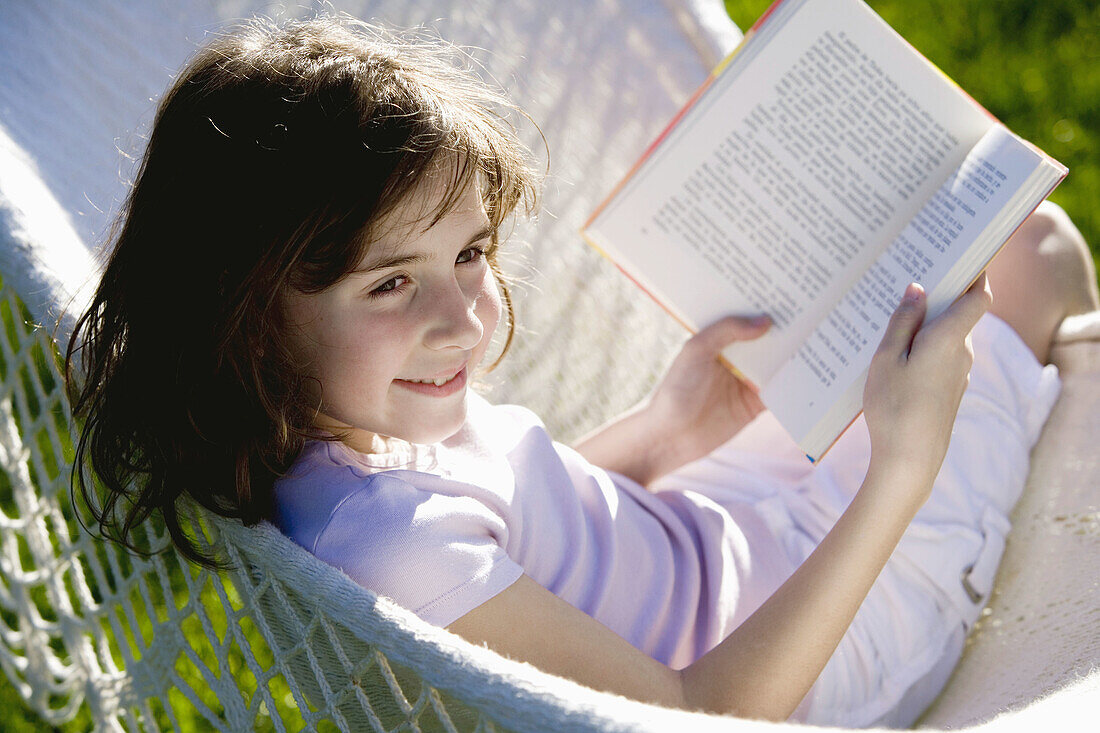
<point x="438" y="387"/>
<point x="391" y="345"/>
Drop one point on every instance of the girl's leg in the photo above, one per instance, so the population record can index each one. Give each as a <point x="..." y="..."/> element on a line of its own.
<point x="1044" y="274"/>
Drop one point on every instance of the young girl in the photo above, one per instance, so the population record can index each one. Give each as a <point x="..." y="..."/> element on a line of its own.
<point x="331" y="200"/>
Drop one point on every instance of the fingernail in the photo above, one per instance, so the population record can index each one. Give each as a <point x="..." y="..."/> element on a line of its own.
<point x="760" y="320"/>
<point x="913" y="293"/>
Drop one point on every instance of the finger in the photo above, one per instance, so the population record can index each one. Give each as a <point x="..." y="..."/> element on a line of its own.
<point x="905" y="322"/>
<point x="964" y="313"/>
<point x="725" y="331"/>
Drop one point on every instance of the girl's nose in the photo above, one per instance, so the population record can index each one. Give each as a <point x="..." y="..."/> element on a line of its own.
<point x="455" y="323"/>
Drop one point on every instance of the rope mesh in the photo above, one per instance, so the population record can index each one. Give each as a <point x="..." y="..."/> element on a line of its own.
<point x="92" y="635"/>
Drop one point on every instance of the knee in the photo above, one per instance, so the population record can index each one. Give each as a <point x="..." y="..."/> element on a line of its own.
<point x="1045" y="238"/>
<point x="1049" y="251"/>
<point x="1044" y="274"/>
<point x="1065" y="246"/>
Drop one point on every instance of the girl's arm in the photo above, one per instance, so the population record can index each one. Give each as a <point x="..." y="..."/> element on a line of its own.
<point x="698" y="406"/>
<point x="765" y="667"/>
<point x="762" y="670"/>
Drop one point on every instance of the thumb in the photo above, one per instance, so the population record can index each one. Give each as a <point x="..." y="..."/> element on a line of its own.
<point x="905" y="323"/>
<point x="725" y="331"/>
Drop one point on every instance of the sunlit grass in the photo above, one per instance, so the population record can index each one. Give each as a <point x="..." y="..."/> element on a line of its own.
<point x="1034" y="65"/>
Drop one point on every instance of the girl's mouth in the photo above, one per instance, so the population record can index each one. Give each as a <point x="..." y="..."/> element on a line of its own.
<point x="435" y="387"/>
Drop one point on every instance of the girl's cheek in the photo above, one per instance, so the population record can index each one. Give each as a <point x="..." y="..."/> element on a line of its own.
<point x="490" y="307"/>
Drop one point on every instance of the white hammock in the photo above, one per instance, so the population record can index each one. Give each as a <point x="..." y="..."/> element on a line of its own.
<point x="285" y="642"/>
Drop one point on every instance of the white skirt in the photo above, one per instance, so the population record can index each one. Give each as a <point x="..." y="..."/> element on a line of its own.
<point x="909" y="632"/>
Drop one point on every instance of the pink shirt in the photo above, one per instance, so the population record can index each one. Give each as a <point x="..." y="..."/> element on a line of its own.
<point x="443" y="528"/>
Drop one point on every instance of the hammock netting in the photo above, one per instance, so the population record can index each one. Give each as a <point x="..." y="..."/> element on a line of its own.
<point x="91" y="635"/>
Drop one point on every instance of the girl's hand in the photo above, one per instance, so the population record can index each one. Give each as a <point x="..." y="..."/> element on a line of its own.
<point x="916" y="381"/>
<point x="698" y="406"/>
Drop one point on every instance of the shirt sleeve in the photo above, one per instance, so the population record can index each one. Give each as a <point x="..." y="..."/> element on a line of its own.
<point x="438" y="555"/>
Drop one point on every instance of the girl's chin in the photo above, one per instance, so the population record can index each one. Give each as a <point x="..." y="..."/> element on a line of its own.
<point x="431" y="429"/>
<point x="434" y="429"/>
<point x="441" y="434"/>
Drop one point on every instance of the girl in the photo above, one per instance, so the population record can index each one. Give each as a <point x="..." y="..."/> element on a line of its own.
<point x="332" y="200"/>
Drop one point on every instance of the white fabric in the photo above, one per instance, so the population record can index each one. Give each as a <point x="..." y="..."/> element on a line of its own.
<point x="1040" y="631"/>
<point x="54" y="279"/>
<point x="152" y="644"/>
<point x="525" y="699"/>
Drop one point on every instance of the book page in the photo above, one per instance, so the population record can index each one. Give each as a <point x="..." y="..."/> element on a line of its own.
<point x="839" y="350"/>
<point x="782" y="185"/>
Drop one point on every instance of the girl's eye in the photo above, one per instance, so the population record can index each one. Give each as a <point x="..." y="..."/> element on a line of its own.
<point x="391" y="285"/>
<point x="470" y="254"/>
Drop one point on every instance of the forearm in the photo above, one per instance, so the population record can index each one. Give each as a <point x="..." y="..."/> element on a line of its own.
<point x="628" y="445"/>
<point x="766" y="666"/>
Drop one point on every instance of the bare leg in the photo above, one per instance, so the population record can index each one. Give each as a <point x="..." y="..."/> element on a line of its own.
<point x="1044" y="273"/>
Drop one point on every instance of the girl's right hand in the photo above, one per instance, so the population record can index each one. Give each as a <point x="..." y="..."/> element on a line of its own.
<point x="916" y="381"/>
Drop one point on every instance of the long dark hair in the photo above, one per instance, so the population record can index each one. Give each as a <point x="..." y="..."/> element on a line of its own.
<point x="270" y="157"/>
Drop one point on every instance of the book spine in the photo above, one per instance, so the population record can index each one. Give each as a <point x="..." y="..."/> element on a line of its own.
<point x="763" y="18"/>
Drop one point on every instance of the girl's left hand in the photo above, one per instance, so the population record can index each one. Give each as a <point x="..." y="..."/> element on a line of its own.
<point x="700" y="404"/>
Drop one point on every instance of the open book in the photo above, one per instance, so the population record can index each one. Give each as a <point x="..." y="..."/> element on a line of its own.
<point x="824" y="166"/>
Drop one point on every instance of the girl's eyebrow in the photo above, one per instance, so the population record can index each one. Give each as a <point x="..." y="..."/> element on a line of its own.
<point x="416" y="259"/>
<point x="391" y="262"/>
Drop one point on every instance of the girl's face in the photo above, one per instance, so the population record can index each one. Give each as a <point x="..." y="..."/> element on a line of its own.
<point x="393" y="344"/>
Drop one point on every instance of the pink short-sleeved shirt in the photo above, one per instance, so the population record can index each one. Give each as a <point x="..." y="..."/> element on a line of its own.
<point x="443" y="528"/>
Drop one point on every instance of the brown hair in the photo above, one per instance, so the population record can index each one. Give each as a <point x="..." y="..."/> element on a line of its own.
<point x="270" y="157"/>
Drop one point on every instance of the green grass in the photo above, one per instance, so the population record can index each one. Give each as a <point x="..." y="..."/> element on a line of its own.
<point x="1034" y="65"/>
